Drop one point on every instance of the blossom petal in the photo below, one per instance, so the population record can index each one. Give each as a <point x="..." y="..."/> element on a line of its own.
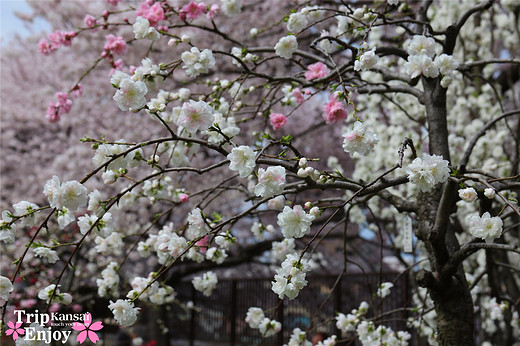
<point x="79" y="326"/>
<point x="11" y="325"/>
<point x="87" y="319"/>
<point x="9" y="331"/>
<point x="93" y="336"/>
<point x="96" y="325"/>
<point x="82" y="336"/>
<point x="20" y="331"/>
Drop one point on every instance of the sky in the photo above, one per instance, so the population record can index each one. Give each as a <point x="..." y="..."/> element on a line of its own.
<point x="10" y="24"/>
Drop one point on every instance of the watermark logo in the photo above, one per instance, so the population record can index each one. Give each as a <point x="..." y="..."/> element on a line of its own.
<point x="14" y="329"/>
<point x="87" y="328"/>
<point x="42" y="324"/>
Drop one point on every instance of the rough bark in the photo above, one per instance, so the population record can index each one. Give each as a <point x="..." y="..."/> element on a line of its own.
<point x="451" y="295"/>
<point x="455" y="317"/>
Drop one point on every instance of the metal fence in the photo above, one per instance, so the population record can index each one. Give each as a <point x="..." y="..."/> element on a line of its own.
<point x="219" y="319"/>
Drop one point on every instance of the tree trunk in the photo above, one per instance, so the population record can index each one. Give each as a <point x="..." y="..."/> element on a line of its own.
<point x="450" y="294"/>
<point x="455" y="316"/>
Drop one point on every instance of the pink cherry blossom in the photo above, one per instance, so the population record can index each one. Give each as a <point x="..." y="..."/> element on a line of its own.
<point x="89" y="21"/>
<point x="192" y="10"/>
<point x="277" y="120"/>
<point x="213" y="10"/>
<point x="63" y="105"/>
<point x="67" y="37"/>
<point x="86" y="330"/>
<point x="64" y="101"/>
<point x="317" y="70"/>
<point x="56" y="39"/>
<point x="53" y="113"/>
<point x="14" y="329"/>
<point x="333" y="111"/>
<point x="118" y="64"/>
<point x="154" y="13"/>
<point x="297" y="93"/>
<point x="44" y="47"/>
<point x="76" y="91"/>
<point x="115" y="45"/>
<point x="113" y="2"/>
<point x="203" y="243"/>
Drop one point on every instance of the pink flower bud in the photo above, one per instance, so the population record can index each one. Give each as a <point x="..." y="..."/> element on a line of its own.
<point x="183" y="197"/>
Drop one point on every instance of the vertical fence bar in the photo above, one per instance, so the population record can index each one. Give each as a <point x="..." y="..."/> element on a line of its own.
<point x="234" y="301"/>
<point x="192" y="317"/>
<point x="280" y="318"/>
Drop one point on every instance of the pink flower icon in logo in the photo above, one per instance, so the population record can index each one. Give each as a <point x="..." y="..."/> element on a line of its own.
<point x="14" y="329"/>
<point x="86" y="329"/>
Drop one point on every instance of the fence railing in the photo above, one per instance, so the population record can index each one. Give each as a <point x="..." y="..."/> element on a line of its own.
<point x="219" y="319"/>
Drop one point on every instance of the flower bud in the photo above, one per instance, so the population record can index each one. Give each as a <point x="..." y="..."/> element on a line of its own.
<point x="489" y="193"/>
<point x="185" y="38"/>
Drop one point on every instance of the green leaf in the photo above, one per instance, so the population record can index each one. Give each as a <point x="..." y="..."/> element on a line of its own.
<point x="267" y="136"/>
<point x="286" y="139"/>
<point x="216" y="217"/>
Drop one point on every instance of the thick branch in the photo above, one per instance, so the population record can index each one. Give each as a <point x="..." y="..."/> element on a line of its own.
<point x="469" y="248"/>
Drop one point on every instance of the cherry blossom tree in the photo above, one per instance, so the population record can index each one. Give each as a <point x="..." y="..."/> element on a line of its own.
<point x="323" y="120"/>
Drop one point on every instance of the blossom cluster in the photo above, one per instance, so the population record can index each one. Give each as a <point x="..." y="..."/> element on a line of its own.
<point x="196" y="115"/>
<point x="242" y="160"/>
<point x="256" y="319"/>
<point x="124" y="312"/>
<point x="206" y="122"/>
<point x="485" y="227"/>
<point x="359" y="140"/>
<point x="366" y="330"/>
<point x="290" y="277"/>
<point x="428" y="171"/>
<point x="143" y="30"/>
<point x="63" y="105"/>
<point x="53" y="292"/>
<point x="205" y="283"/>
<point x="271" y="181"/>
<point x="57" y="39"/>
<point x="109" y="281"/>
<point x="421" y="50"/>
<point x="197" y="62"/>
<point x="69" y="194"/>
<point x="295" y="222"/>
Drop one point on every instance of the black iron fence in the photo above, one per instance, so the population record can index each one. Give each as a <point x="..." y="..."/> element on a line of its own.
<point x="219" y="319"/>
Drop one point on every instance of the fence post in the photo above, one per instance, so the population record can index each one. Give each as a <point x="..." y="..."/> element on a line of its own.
<point x="192" y="317"/>
<point x="234" y="301"/>
<point x="280" y="318"/>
